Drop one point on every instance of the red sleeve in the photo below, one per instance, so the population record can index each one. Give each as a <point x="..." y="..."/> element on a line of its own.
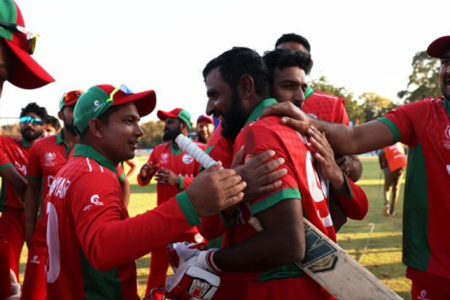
<point x="34" y="164"/>
<point x="102" y="223"/>
<point x="341" y="113"/>
<point x="354" y="204"/>
<point x="211" y="227"/>
<point x="4" y="160"/>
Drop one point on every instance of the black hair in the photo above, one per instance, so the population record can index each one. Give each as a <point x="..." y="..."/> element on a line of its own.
<point x="280" y="59"/>
<point x="34" y="108"/>
<point x="237" y="62"/>
<point x="293" y="37"/>
<point x="51" y="120"/>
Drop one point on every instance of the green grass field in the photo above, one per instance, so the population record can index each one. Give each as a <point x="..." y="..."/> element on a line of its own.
<point x="375" y="242"/>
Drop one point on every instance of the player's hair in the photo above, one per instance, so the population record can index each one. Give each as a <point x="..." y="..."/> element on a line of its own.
<point x="293" y="37"/>
<point x="51" y="120"/>
<point x="280" y="59"/>
<point x="34" y="108"/>
<point x="237" y="62"/>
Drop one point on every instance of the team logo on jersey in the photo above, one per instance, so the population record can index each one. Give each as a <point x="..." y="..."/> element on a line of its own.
<point x="21" y="168"/>
<point x="49" y="158"/>
<point x="187" y="159"/>
<point x="34" y="260"/>
<point x="164" y="159"/>
<point x="95" y="199"/>
<point x="446" y="141"/>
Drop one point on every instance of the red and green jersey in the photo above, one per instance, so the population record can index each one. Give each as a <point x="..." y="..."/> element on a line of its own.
<point x="327" y="108"/>
<point x="425" y="127"/>
<point x="302" y="182"/>
<point x="47" y="157"/>
<point x="92" y="244"/>
<point x="220" y="148"/>
<point x="167" y="157"/>
<point x="15" y="154"/>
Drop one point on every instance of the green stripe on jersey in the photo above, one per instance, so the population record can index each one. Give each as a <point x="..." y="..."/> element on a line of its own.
<point x="395" y="131"/>
<point x="416" y="251"/>
<point x="100" y="285"/>
<point x="287" y="194"/>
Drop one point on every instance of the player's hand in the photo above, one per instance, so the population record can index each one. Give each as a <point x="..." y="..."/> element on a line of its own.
<point x="261" y="172"/>
<point x="192" y="282"/>
<point x="345" y="164"/>
<point x="325" y="157"/>
<point x="181" y="252"/>
<point x="147" y="171"/>
<point x="166" y="176"/>
<point x="215" y="189"/>
<point x="293" y="116"/>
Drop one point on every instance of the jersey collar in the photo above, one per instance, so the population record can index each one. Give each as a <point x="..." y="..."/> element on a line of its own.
<point x="175" y="149"/>
<point x="257" y="112"/>
<point x="26" y="143"/>
<point x="82" y="150"/>
<point x="447" y="105"/>
<point x="309" y="92"/>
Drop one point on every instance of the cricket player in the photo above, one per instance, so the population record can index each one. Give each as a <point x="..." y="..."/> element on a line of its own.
<point x="425" y="127"/>
<point x="47" y="156"/>
<point x="173" y="169"/>
<point x="92" y="243"/>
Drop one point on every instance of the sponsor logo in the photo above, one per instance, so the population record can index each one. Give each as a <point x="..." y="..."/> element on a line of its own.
<point x="446" y="141"/>
<point x="423" y="295"/>
<point x="97" y="105"/>
<point x="164" y="159"/>
<point x="95" y="199"/>
<point x="34" y="260"/>
<point x="187" y="159"/>
<point x="21" y="168"/>
<point x="199" y="288"/>
<point x="49" y="158"/>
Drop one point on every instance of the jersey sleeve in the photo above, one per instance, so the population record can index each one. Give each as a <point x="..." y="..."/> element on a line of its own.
<point x="353" y="200"/>
<point x="34" y="164"/>
<point x="4" y="160"/>
<point x="258" y="139"/>
<point x="401" y="121"/>
<point x="341" y="113"/>
<point x="108" y="237"/>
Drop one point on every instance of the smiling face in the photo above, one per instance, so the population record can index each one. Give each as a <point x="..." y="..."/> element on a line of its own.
<point x="120" y="134"/>
<point x="444" y="74"/>
<point x="224" y="104"/>
<point x="289" y="84"/>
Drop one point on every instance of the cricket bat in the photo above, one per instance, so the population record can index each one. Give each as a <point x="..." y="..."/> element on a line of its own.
<point x="325" y="262"/>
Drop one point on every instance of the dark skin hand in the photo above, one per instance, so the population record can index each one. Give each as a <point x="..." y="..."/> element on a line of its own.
<point x="166" y="176"/>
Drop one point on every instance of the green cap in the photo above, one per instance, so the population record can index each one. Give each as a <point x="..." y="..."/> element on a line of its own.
<point x="96" y="101"/>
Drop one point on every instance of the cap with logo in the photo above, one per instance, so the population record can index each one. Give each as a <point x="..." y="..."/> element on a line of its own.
<point x="97" y="99"/>
<point x="438" y="47"/>
<point x="69" y="99"/>
<point x="27" y="73"/>
<point x="179" y="113"/>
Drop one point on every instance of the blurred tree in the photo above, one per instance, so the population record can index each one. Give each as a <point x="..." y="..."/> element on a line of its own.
<point x="354" y="110"/>
<point x="10" y="130"/>
<point x="375" y="106"/>
<point x="424" y="80"/>
<point x="153" y="132"/>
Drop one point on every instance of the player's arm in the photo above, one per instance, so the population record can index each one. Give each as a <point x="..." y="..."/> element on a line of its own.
<point x="132" y="168"/>
<point x="281" y="241"/>
<point x="14" y="179"/>
<point x="352" y="199"/>
<point x="31" y="204"/>
<point x="359" y="139"/>
<point x="110" y="240"/>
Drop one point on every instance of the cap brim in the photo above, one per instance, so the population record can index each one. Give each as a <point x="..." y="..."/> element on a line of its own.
<point x="439" y="46"/>
<point x="26" y="72"/>
<point x="145" y="101"/>
<point x="163" y="115"/>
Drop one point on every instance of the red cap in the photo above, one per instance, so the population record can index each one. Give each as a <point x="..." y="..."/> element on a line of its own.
<point x="26" y="72"/>
<point x="206" y="119"/>
<point x="177" y="113"/>
<point x="439" y="46"/>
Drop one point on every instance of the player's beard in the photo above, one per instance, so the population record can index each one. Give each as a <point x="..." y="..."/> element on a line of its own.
<point x="201" y="137"/>
<point x="235" y="118"/>
<point x="69" y="127"/>
<point x="31" y="135"/>
<point x="171" y="135"/>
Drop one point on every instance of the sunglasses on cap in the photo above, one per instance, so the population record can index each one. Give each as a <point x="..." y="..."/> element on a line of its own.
<point x="31" y="37"/>
<point x="101" y="109"/>
<point x="26" y="120"/>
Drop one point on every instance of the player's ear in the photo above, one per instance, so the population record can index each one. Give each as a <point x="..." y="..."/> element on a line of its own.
<point x="246" y="87"/>
<point x="96" y="128"/>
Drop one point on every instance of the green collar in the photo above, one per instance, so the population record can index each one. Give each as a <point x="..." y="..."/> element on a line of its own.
<point x="174" y="149"/>
<point x="60" y="138"/>
<point x="309" y="92"/>
<point x="257" y="112"/>
<point x="447" y="105"/>
<point x="26" y="143"/>
<point x="83" y="150"/>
